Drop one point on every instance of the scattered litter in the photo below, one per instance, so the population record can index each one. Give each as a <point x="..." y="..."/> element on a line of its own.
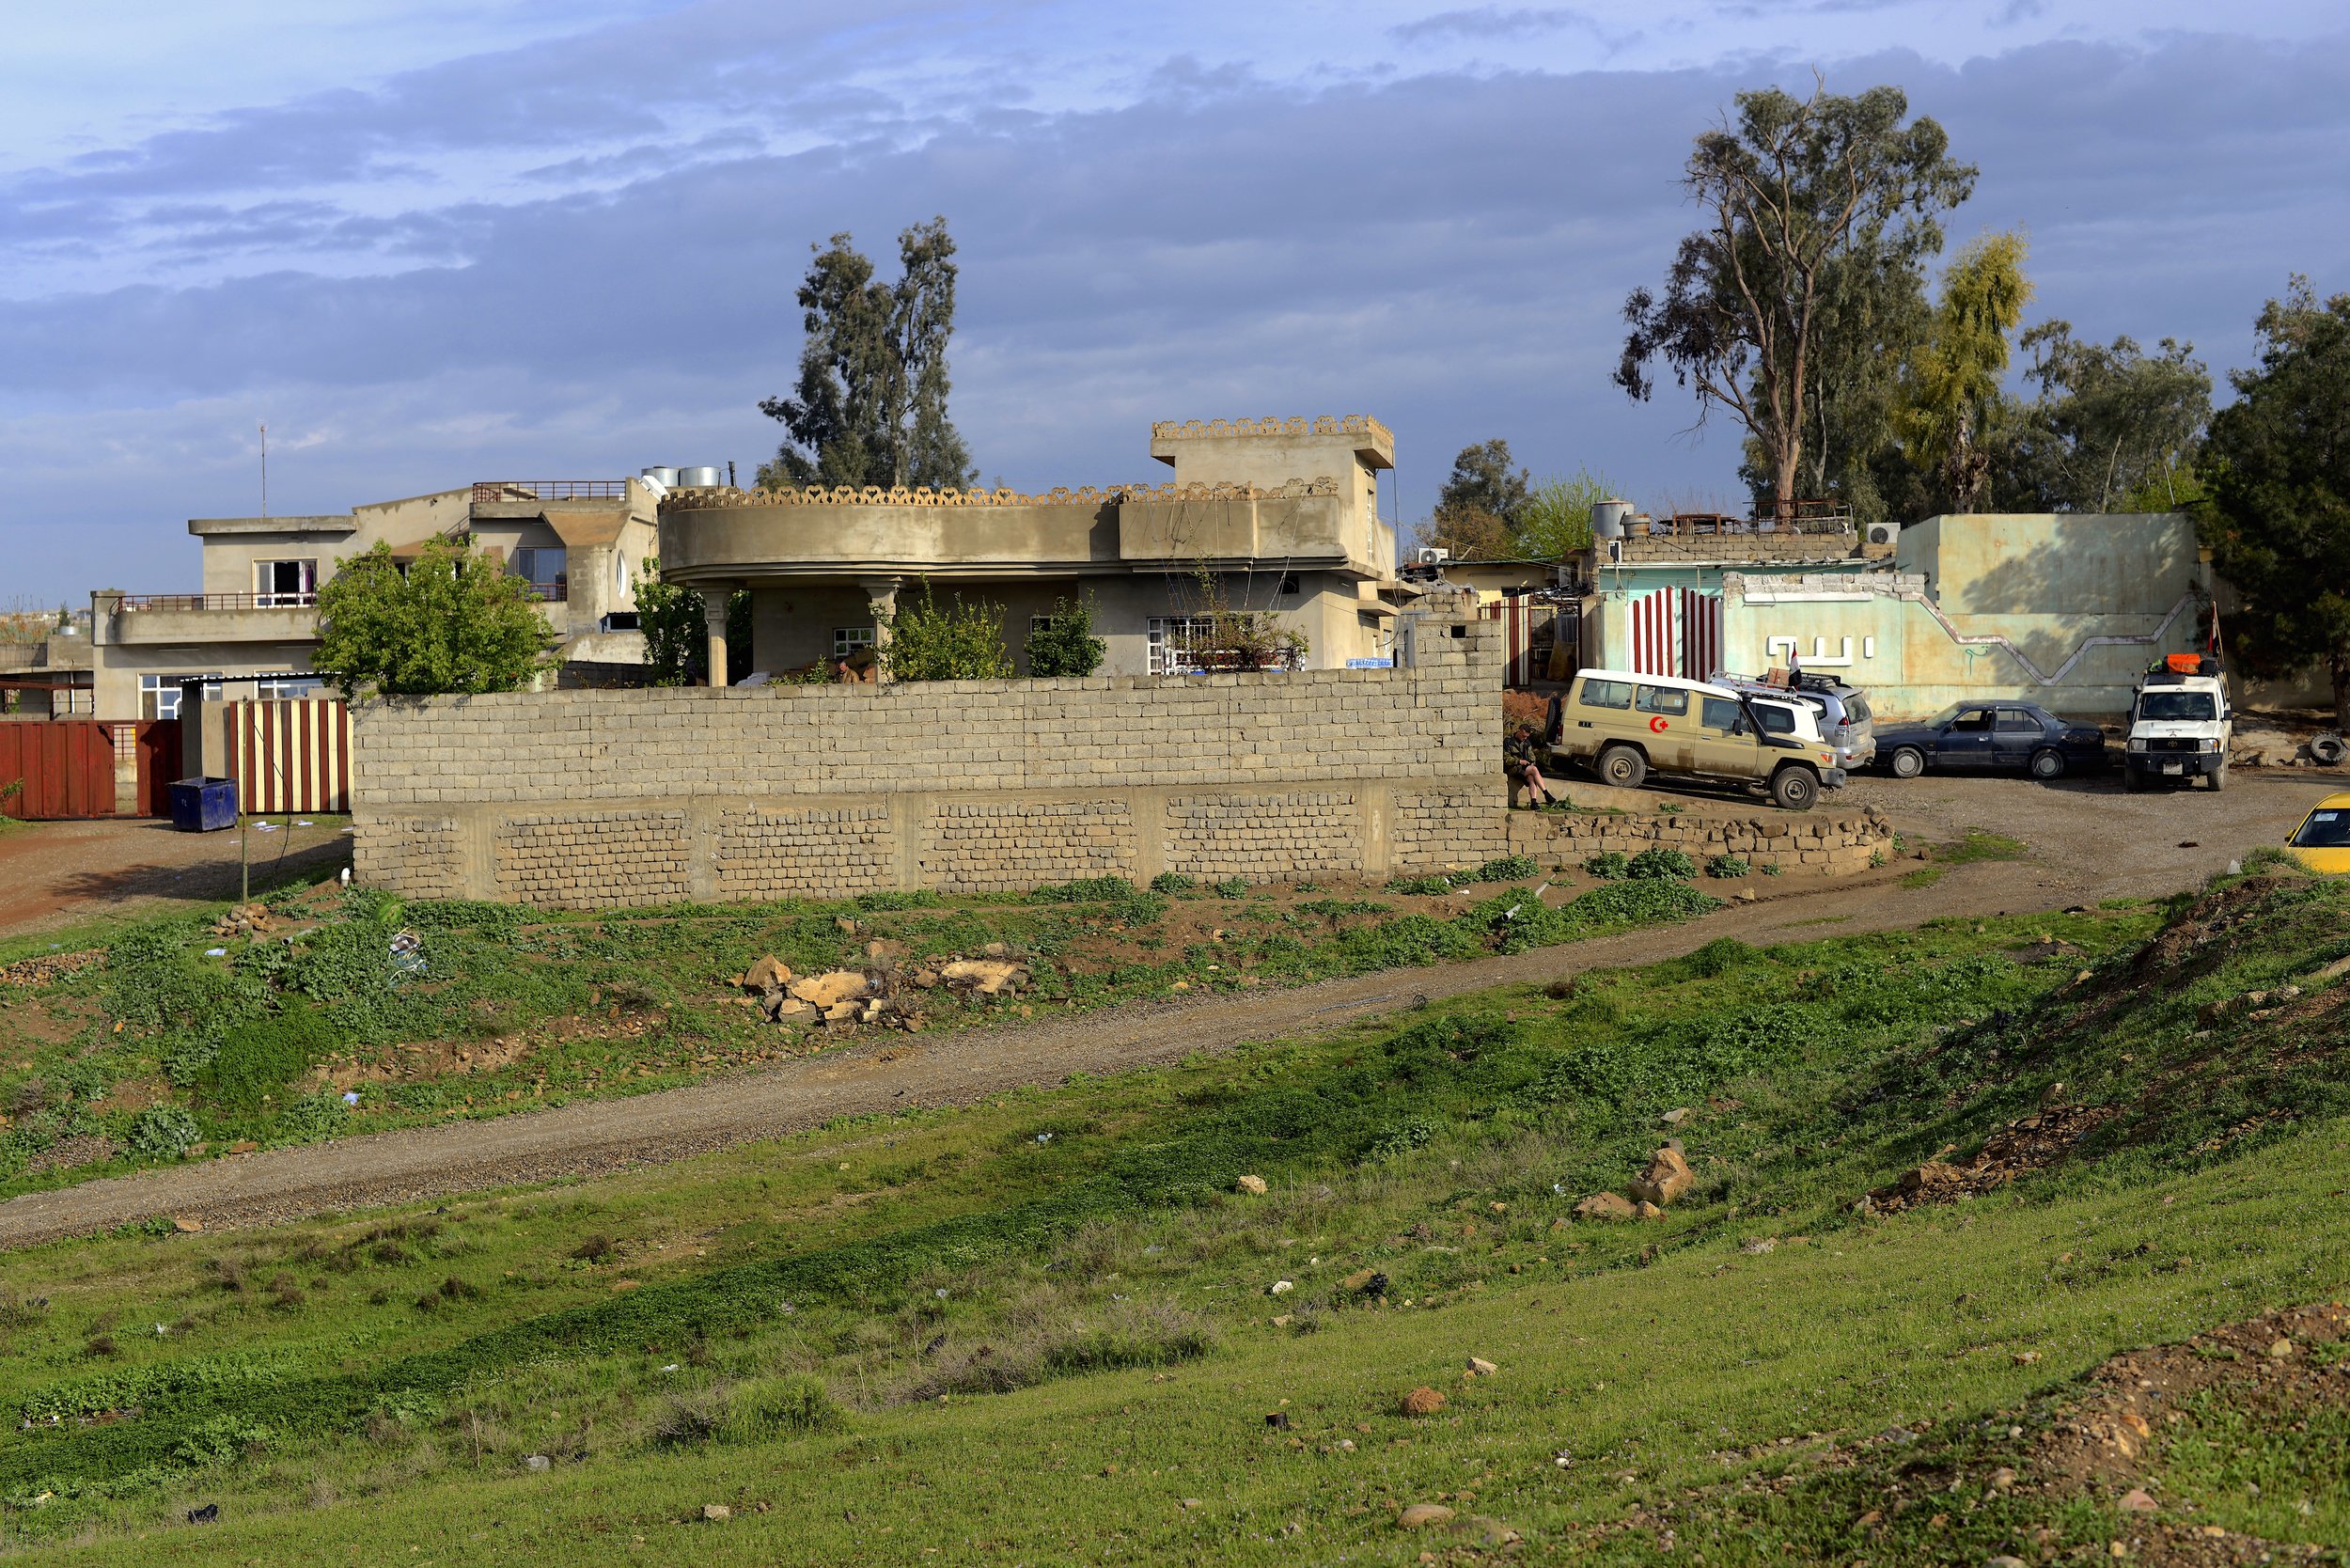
<point x="351" y="1096"/>
<point x="407" y="957"/>
<point x="670" y="1367"/>
<point x="940" y="1293"/>
<point x="300" y="823"/>
<point x="266" y="827"/>
<point x="216" y="952"/>
<point x="346" y="876"/>
<point x="1045" y="1138"/>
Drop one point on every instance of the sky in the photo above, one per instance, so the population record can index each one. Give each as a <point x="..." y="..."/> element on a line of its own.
<point x="428" y="242"/>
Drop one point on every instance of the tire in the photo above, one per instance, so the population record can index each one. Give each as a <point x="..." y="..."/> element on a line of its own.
<point x="2047" y="764"/>
<point x="2328" y="750"/>
<point x="1622" y="766"/>
<point x="2218" y="777"/>
<point x="1795" y="789"/>
<point x="2132" y="781"/>
<point x="1907" y="761"/>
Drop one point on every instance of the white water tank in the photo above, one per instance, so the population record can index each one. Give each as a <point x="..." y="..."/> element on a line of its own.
<point x="661" y="475"/>
<point x="1608" y="517"/>
<point x="694" y="478"/>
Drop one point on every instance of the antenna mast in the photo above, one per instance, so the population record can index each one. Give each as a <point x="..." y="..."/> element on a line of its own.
<point x="265" y="472"/>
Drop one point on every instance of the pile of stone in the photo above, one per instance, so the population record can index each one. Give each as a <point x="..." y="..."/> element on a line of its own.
<point x="882" y="990"/>
<point x="49" y="966"/>
<point x="1665" y="1178"/>
<point x="246" y="919"/>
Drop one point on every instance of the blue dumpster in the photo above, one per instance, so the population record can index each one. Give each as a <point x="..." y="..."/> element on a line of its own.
<point x="203" y="805"/>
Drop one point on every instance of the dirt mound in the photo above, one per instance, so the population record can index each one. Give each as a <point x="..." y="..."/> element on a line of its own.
<point x="2025" y="1145"/>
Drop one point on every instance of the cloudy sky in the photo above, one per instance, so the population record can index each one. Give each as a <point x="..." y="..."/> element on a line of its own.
<point x="436" y="240"/>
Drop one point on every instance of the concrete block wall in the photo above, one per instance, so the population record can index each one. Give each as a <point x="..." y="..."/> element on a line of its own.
<point x="1808" y="841"/>
<point x="607" y="798"/>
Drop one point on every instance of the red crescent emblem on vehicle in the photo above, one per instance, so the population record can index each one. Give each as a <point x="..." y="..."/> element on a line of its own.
<point x="1658" y="726"/>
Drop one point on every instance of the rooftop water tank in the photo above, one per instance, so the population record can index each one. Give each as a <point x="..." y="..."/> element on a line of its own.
<point x="1608" y="517"/>
<point x="661" y="475"/>
<point x="691" y="478"/>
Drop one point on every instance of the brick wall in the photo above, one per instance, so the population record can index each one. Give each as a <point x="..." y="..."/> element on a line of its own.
<point x="1811" y="841"/>
<point x="599" y="798"/>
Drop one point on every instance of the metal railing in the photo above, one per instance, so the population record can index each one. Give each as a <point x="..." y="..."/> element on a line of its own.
<point x="552" y="593"/>
<point x="486" y="492"/>
<point x="216" y="600"/>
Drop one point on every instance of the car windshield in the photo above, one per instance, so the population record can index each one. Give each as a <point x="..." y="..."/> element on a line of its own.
<point x="2325" y="829"/>
<point x="2185" y="706"/>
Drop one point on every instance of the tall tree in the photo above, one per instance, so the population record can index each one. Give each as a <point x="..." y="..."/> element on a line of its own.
<point x="2111" y="421"/>
<point x="2277" y="463"/>
<point x="1798" y="188"/>
<point x="1556" y="519"/>
<point x="1479" y="509"/>
<point x="455" y="620"/>
<point x="1953" y="404"/>
<point x="869" y="406"/>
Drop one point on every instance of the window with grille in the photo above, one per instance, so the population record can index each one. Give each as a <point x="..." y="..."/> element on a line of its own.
<point x="159" y="695"/>
<point x="1176" y="643"/>
<point x="850" y="639"/>
<point x="286" y="687"/>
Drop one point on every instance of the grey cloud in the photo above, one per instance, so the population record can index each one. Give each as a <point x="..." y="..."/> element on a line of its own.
<point x="1492" y="22"/>
<point x="1448" y="251"/>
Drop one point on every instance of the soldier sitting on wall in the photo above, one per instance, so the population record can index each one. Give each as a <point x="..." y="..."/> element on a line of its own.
<point x="1522" y="760"/>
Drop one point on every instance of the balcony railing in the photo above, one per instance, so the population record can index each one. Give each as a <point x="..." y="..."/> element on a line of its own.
<point x="552" y="593"/>
<point x="217" y="601"/>
<point x="488" y="491"/>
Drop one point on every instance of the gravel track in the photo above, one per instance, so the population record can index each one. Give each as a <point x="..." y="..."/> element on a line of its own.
<point x="2089" y="841"/>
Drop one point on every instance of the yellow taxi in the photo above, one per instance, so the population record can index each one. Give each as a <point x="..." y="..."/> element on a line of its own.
<point x="2322" y="842"/>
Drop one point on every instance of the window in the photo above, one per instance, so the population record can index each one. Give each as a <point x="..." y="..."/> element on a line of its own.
<point x="1607" y="694"/>
<point x="1663" y="699"/>
<point x="850" y="639"/>
<point x="1288" y="585"/>
<point x="2015" y="721"/>
<point x="541" y="567"/>
<point x="2324" y="830"/>
<point x="286" y="687"/>
<point x="1720" y="712"/>
<point x="2185" y="707"/>
<point x="1857" y="709"/>
<point x="278" y="585"/>
<point x="159" y="695"/>
<point x="1175" y="642"/>
<point x="1973" y="721"/>
<point x="1775" y="719"/>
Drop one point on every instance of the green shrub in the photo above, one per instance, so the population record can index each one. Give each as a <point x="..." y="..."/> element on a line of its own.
<point x="163" y="1133"/>
<point x="1231" y="888"/>
<point x="1608" y="865"/>
<point x="310" y="1118"/>
<point x="1425" y="885"/>
<point x="1064" y="644"/>
<point x="771" y="1409"/>
<point x="1508" y="868"/>
<point x="266" y="1055"/>
<point x="888" y="898"/>
<point x="1657" y="863"/>
<point x="1718" y="957"/>
<point x="1770" y="867"/>
<point x="1173" y="882"/>
<point x="1094" y="889"/>
<point x="1728" y="865"/>
<point x="1413" y="1132"/>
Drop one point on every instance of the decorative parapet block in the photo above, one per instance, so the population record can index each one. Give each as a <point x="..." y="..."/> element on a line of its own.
<point x="1352" y="424"/>
<point x="709" y="497"/>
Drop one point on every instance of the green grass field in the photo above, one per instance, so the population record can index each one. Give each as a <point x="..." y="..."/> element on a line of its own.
<point x="186" y="1041"/>
<point x="1050" y="1329"/>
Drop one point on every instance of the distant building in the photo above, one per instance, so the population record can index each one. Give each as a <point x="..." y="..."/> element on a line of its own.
<point x="252" y="630"/>
<point x="1275" y="516"/>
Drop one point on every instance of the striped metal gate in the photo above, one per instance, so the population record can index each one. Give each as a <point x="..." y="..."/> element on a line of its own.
<point x="1677" y="631"/>
<point x="290" y="756"/>
<point x="1521" y="617"/>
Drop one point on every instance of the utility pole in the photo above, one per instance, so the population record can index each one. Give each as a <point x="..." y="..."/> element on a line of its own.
<point x="264" y="472"/>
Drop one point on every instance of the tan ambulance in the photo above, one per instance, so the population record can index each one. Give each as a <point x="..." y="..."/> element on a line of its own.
<point x="1625" y="726"/>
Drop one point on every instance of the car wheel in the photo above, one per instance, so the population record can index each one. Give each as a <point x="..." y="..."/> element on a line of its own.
<point x="1623" y="767"/>
<point x="1795" y="789"/>
<point x="2218" y="776"/>
<point x="2132" y="781"/>
<point x="2047" y="762"/>
<point x="1908" y="762"/>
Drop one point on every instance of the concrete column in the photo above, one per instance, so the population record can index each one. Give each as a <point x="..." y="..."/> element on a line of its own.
<point x="714" y="623"/>
<point x="881" y="601"/>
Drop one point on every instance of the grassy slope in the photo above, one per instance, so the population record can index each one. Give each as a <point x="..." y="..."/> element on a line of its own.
<point x="582" y="1007"/>
<point x="1647" y="1372"/>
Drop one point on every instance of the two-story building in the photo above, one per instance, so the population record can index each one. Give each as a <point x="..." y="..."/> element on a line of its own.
<point x="1278" y="517"/>
<point x="250" y="633"/>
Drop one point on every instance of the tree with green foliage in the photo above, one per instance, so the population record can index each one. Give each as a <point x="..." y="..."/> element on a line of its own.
<point x="1556" y="521"/>
<point x="954" y="641"/>
<point x="454" y="620"/>
<point x="869" y="407"/>
<point x="2278" y="465"/>
<point x="677" y="630"/>
<point x="1806" y="200"/>
<point x="1483" y="499"/>
<point x="1064" y="644"/>
<point x="1952" y="403"/>
<point x="2110" y="420"/>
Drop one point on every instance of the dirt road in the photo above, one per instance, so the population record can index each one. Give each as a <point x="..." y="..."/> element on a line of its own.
<point x="2089" y="841"/>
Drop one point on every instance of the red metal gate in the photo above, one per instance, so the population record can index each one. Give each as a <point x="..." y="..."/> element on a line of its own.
<point x="1521" y="617"/>
<point x="1677" y="631"/>
<point x="56" y="768"/>
<point x="158" y="743"/>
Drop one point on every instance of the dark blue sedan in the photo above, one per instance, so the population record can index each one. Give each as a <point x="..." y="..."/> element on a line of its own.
<point x="2015" y="736"/>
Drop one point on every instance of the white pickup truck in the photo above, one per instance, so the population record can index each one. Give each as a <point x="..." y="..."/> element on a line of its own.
<point x="2180" y="725"/>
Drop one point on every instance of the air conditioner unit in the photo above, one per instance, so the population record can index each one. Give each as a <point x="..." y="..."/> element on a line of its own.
<point x="1433" y="555"/>
<point x="1883" y="533"/>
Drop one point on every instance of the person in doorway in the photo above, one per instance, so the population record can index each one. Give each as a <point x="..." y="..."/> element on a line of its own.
<point x="1522" y="759"/>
